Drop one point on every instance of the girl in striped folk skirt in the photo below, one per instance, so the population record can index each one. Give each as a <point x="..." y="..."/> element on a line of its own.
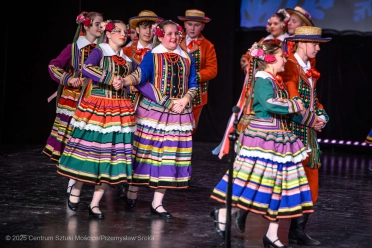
<point x="162" y="145"/>
<point x="100" y="148"/>
<point x="268" y="177"/>
<point x="66" y="70"/>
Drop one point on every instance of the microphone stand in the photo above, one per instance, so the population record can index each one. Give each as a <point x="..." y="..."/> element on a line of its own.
<point x="232" y="138"/>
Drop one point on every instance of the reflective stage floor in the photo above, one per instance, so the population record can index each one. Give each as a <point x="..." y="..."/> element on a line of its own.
<point x="34" y="212"/>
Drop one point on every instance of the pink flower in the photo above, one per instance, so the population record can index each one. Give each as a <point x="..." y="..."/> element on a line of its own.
<point x="269" y="58"/>
<point x="153" y="27"/>
<point x="260" y="52"/>
<point x="253" y="52"/>
<point x="81" y="17"/>
<point x="179" y="28"/>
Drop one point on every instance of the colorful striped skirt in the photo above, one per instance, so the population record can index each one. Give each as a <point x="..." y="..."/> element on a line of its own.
<point x="162" y="146"/>
<point x="268" y="176"/>
<point x="62" y="129"/>
<point x="100" y="147"/>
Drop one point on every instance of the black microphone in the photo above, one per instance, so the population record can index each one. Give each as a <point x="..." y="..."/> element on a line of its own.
<point x="232" y="138"/>
<point x="235" y="109"/>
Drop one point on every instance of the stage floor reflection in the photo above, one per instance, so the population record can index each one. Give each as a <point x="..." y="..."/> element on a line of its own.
<point x="34" y="212"/>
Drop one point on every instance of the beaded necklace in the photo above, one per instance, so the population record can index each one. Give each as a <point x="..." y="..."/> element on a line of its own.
<point x="171" y="57"/>
<point x="119" y="60"/>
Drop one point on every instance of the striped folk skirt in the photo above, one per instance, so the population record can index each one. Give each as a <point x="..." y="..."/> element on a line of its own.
<point x="162" y="146"/>
<point x="62" y="128"/>
<point x="100" y="147"/>
<point x="268" y="176"/>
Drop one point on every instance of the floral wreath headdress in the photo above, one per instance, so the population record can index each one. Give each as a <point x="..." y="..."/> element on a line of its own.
<point x="259" y="52"/>
<point x="83" y="19"/>
<point x="160" y="32"/>
<point x="107" y="26"/>
<point x="285" y="21"/>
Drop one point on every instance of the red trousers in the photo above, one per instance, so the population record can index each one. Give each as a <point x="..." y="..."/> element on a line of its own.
<point x="313" y="178"/>
<point x="196" y="111"/>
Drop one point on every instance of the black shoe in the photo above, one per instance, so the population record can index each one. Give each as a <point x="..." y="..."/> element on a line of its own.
<point x="302" y="238"/>
<point x="74" y="206"/>
<point x="131" y="202"/>
<point x="297" y="232"/>
<point x="240" y="217"/>
<point x="165" y="215"/>
<point x="268" y="243"/>
<point x="214" y="214"/>
<point x="95" y="215"/>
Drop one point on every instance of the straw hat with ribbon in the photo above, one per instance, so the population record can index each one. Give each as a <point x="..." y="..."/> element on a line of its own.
<point x="195" y="15"/>
<point x="303" y="14"/>
<point x="305" y="34"/>
<point x="308" y="34"/>
<point x="144" y="15"/>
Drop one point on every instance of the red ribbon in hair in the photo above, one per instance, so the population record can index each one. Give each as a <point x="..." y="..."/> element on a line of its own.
<point x="312" y="73"/>
<point x="141" y="52"/>
<point x="191" y="44"/>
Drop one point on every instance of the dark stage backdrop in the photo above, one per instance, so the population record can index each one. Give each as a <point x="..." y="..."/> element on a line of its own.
<point x="32" y="38"/>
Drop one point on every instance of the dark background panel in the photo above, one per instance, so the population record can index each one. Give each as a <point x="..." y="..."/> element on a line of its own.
<point x="35" y="34"/>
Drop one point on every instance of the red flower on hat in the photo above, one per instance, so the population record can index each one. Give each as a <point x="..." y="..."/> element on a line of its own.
<point x="308" y="16"/>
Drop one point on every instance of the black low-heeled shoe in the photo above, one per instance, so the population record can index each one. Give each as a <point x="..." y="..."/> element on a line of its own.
<point x="240" y="218"/>
<point x="214" y="214"/>
<point x="268" y="243"/>
<point x="131" y="202"/>
<point x="95" y="215"/>
<point x="165" y="215"/>
<point x="74" y="206"/>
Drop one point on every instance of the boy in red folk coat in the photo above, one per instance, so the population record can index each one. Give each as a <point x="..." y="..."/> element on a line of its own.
<point x="204" y="53"/>
<point x="301" y="79"/>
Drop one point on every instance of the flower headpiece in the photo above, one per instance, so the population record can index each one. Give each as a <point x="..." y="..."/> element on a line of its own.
<point x="259" y="52"/>
<point x="83" y="19"/>
<point x="285" y="21"/>
<point x="286" y="16"/>
<point x="160" y="32"/>
<point x="107" y="26"/>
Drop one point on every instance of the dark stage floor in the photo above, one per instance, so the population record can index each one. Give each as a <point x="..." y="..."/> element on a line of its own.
<point x="34" y="211"/>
